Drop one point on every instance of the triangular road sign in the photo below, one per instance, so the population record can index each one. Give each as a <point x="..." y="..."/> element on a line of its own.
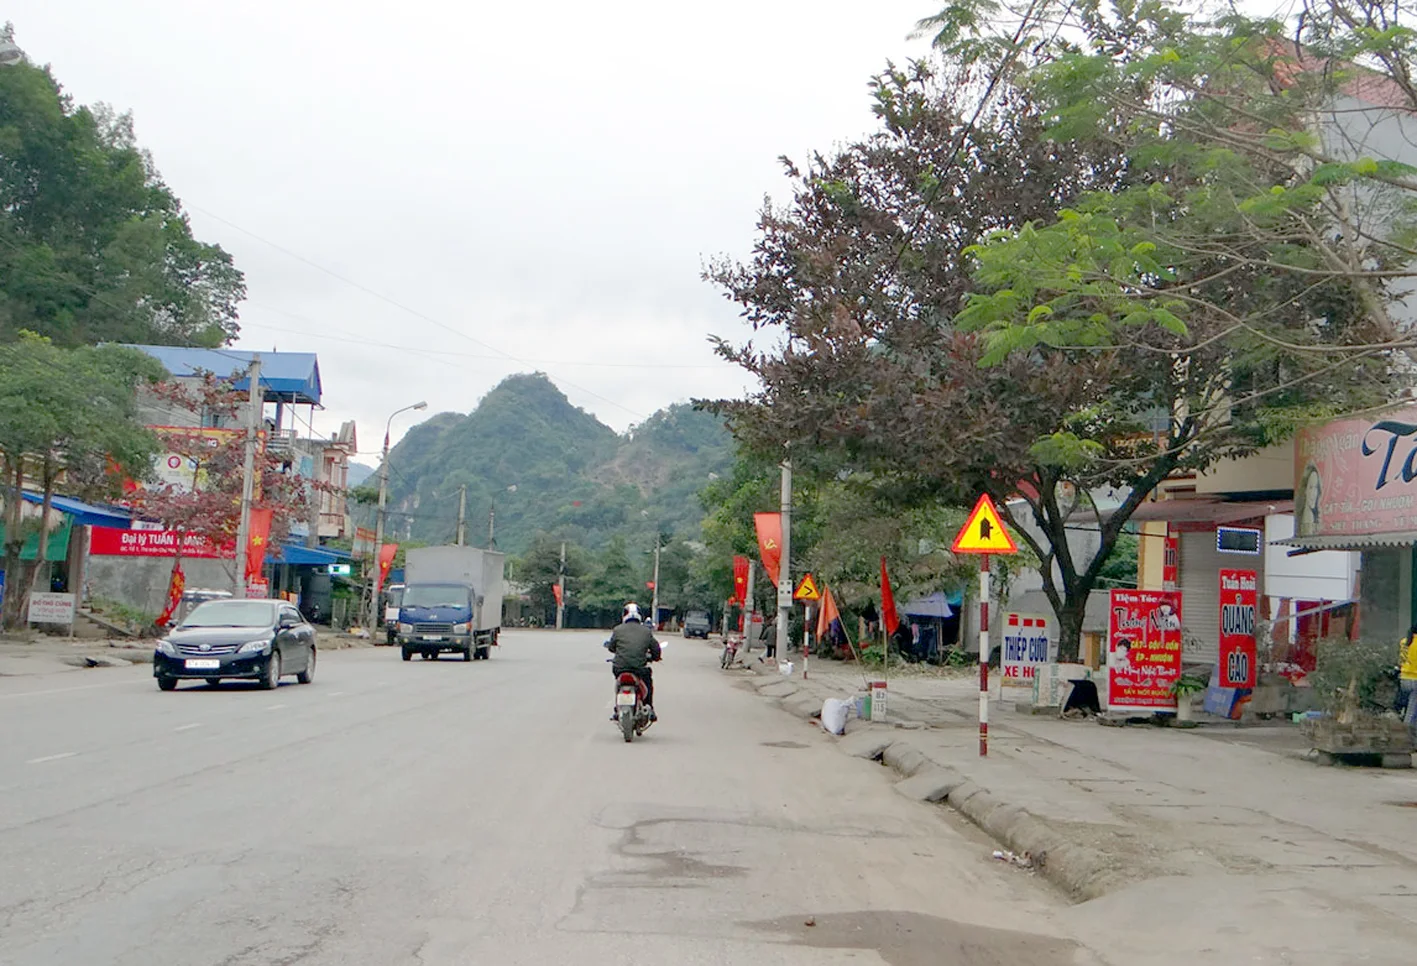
<point x="807" y="589"/>
<point x="984" y="532"/>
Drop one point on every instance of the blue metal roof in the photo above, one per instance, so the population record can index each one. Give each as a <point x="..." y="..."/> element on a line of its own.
<point x="303" y="556"/>
<point x="936" y="605"/>
<point x="285" y="376"/>
<point x="86" y="514"/>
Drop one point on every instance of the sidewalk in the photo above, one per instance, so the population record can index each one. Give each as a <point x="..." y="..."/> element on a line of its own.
<point x="1216" y="811"/>
<point x="42" y="654"/>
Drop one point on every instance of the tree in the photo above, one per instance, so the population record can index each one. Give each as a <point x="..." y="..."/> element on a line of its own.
<point x="94" y="247"/>
<point x="63" y="410"/>
<point x="209" y="505"/>
<point x="540" y="568"/>
<point x="965" y="302"/>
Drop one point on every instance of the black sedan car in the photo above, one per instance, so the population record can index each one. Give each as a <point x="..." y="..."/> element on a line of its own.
<point x="257" y="640"/>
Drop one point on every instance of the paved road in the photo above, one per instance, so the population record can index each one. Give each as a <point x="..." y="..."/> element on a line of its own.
<point x="456" y="813"/>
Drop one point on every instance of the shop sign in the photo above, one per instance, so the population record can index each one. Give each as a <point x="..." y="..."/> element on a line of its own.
<point x="1357" y="476"/>
<point x="1028" y="642"/>
<point x="1239" y="612"/>
<point x="1143" y="650"/>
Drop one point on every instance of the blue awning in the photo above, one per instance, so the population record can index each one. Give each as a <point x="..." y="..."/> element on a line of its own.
<point x="86" y="514"/>
<point x="302" y="556"/>
<point x="292" y="377"/>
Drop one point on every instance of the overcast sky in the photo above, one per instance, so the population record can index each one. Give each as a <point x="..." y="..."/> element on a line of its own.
<point x="539" y="183"/>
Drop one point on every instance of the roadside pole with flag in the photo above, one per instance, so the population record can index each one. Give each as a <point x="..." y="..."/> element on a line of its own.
<point x="890" y="621"/>
<point x="984" y="534"/>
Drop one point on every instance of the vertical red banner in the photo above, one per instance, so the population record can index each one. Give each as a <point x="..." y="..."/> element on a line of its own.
<point x="769" y="526"/>
<point x="556" y="592"/>
<point x="889" y="618"/>
<point x="1171" y="561"/>
<point x="386" y="562"/>
<point x="1239" y="616"/>
<point x="1143" y="650"/>
<point x="740" y="580"/>
<point x="257" y="543"/>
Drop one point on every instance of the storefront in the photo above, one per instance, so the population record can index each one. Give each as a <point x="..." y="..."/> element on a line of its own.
<point x="1355" y="488"/>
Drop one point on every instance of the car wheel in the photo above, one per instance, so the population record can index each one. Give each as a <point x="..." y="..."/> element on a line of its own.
<point x="308" y="675"/>
<point x="271" y="681"/>
<point x="213" y="682"/>
<point x="166" y="683"/>
<point x="407" y="654"/>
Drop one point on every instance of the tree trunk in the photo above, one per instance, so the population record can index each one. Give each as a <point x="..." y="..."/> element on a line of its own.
<point x="1070" y="621"/>
<point x="14" y="543"/>
<point x="40" y="580"/>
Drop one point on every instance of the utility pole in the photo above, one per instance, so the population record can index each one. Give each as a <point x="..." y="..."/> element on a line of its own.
<point x="561" y="582"/>
<point x="462" y="515"/>
<point x="492" y="526"/>
<point x="654" y="594"/>
<point x="749" y="605"/>
<point x="254" y="407"/>
<point x="379" y="538"/>
<point x="784" y="574"/>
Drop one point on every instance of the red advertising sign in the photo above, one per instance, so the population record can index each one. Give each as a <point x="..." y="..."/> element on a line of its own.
<point x="1143" y="650"/>
<point x="1357" y="476"/>
<point x="113" y="542"/>
<point x="1171" y="561"/>
<point x="1239" y="610"/>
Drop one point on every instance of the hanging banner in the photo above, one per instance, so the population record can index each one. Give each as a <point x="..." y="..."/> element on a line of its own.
<point x="1171" y="561"/>
<point x="1239" y="612"/>
<point x="1029" y="641"/>
<point x="769" y="526"/>
<point x="386" y="561"/>
<point x="257" y="542"/>
<point x="175" y="587"/>
<point x="740" y="580"/>
<point x="1143" y="650"/>
<point x="557" y="592"/>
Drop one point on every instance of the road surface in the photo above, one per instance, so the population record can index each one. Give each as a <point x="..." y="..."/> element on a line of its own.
<point x="451" y="813"/>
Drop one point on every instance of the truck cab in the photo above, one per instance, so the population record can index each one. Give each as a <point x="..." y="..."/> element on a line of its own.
<point x="438" y="618"/>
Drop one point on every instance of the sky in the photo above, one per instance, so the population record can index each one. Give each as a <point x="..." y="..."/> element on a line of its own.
<point x="434" y="196"/>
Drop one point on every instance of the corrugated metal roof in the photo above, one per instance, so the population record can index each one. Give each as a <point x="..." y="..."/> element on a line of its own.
<point x="286" y="376"/>
<point x="1206" y="510"/>
<point x="1351" y="541"/>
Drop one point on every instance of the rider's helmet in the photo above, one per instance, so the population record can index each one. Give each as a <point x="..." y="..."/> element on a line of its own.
<point x="632" y="612"/>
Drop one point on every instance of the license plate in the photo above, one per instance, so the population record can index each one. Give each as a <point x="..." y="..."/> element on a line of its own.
<point x="202" y="664"/>
<point x="624" y="697"/>
<point x="436" y="640"/>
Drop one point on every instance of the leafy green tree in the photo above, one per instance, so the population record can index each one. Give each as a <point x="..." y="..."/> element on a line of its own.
<point x="540" y="568"/>
<point x="63" y="410"/>
<point x="968" y="302"/>
<point x="94" y="247"/>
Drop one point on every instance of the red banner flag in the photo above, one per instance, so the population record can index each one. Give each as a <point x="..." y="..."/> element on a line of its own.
<point x="827" y="613"/>
<point x="256" y="543"/>
<point x="769" y="526"/>
<point x="888" y="615"/>
<point x="386" y="562"/>
<point x="556" y="592"/>
<point x="174" y="594"/>
<point x="740" y="580"/>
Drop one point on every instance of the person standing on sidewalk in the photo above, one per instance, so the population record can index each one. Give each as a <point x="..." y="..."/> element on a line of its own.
<point x="769" y="639"/>
<point x="1407" y="674"/>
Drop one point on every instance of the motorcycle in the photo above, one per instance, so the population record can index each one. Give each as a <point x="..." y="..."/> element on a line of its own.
<point x="730" y="652"/>
<point x="631" y="712"/>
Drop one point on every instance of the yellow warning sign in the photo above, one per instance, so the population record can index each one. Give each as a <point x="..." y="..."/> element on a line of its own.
<point x="984" y="532"/>
<point x="807" y="589"/>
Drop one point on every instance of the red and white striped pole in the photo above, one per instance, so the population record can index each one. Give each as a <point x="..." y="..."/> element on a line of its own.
<point x="983" y="655"/>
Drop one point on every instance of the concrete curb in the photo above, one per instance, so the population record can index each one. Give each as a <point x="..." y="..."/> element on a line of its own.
<point x="1081" y="870"/>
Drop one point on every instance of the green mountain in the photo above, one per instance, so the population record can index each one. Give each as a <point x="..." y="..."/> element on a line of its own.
<point x="541" y="464"/>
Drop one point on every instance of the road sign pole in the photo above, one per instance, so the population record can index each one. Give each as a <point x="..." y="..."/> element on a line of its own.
<point x="983" y="655"/>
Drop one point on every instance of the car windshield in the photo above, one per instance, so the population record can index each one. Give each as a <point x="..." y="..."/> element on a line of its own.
<point x="232" y="613"/>
<point x="435" y="595"/>
<point x="697" y="615"/>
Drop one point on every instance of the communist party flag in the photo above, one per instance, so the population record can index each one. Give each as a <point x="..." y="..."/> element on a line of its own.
<point x="386" y="561"/>
<point x="740" y="579"/>
<point x="769" y="526"/>
<point x="889" y="617"/>
<point x="174" y="594"/>
<point x="556" y="592"/>
<point x="828" y="614"/>
<point x="256" y="543"/>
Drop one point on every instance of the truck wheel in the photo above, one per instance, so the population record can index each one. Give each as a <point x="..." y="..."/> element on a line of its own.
<point x="467" y="654"/>
<point x="484" y="652"/>
<point x="407" y="654"/>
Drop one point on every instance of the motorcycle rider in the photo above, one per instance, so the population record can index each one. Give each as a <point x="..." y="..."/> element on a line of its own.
<point x="635" y="649"/>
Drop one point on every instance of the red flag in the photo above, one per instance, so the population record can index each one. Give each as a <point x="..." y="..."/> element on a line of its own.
<point x="386" y="561"/>
<point x="174" y="594"/>
<point x="888" y="615"/>
<point x="827" y="614"/>
<point x="769" y="526"/>
<point x="740" y="580"/>
<point x="556" y="592"/>
<point x="256" y="541"/>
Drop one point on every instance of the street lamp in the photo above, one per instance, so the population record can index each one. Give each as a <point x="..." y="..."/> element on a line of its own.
<point x="379" y="524"/>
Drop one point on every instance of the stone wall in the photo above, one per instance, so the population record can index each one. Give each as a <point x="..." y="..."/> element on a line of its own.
<point x="142" y="582"/>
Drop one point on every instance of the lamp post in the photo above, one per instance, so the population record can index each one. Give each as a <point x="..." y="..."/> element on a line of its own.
<point x="379" y="523"/>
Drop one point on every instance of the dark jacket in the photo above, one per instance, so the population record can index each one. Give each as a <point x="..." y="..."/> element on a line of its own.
<point x="634" y="646"/>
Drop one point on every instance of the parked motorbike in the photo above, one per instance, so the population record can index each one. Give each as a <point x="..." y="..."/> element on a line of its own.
<point x="631" y="712"/>
<point x="730" y="652"/>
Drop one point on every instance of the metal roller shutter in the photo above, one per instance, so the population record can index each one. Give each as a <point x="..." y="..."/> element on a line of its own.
<point x="1199" y="584"/>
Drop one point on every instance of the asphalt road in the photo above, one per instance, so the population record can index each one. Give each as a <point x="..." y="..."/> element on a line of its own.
<point x="456" y="813"/>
